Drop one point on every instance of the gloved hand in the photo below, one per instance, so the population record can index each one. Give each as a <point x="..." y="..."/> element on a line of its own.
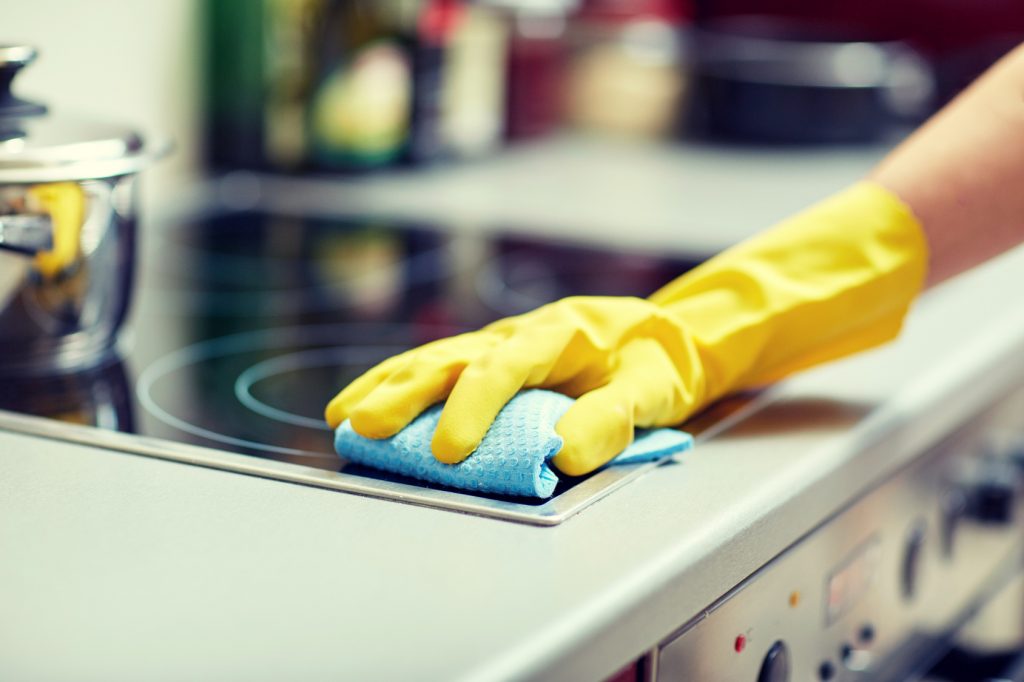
<point x="833" y="280"/>
<point x="628" y="361"/>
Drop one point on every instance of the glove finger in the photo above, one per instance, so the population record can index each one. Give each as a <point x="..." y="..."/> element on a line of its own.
<point x="487" y="385"/>
<point x="477" y="397"/>
<point x="597" y="427"/>
<point x="400" y="398"/>
<point x="644" y="391"/>
<point x="455" y="351"/>
<point x="585" y="381"/>
<point x="658" y="393"/>
<point x="341" y="405"/>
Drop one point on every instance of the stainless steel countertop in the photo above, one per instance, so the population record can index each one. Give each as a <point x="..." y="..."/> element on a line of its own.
<point x="124" y="567"/>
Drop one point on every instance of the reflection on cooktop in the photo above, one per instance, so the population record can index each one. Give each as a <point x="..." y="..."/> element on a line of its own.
<point x="99" y="396"/>
<point x="249" y="323"/>
<point x="244" y="264"/>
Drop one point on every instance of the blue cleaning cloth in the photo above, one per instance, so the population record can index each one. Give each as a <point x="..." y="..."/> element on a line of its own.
<point x="513" y="457"/>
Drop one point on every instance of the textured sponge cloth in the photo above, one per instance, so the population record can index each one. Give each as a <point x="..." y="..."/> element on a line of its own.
<point x="513" y="457"/>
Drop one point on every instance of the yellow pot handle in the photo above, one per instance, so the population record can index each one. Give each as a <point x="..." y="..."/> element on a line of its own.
<point x="65" y="204"/>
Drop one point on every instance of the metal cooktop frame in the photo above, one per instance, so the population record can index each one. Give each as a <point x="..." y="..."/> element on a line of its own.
<point x="552" y="512"/>
<point x="549" y="513"/>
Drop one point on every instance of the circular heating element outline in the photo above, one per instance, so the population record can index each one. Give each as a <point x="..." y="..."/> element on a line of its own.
<point x="266" y="369"/>
<point x="264" y="340"/>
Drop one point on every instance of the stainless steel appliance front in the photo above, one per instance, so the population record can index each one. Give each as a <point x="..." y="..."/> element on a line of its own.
<point x="876" y="591"/>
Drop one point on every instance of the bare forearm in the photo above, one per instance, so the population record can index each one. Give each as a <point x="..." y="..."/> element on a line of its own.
<point x="962" y="173"/>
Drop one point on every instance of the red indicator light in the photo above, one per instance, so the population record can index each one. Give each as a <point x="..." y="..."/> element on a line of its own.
<point x="740" y="644"/>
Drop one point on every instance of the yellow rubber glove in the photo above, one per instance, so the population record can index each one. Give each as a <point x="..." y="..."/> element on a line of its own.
<point x="833" y="280"/>
<point x="65" y="202"/>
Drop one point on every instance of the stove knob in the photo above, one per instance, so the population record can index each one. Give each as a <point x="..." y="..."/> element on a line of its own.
<point x="993" y="495"/>
<point x="855" y="659"/>
<point x="776" y="664"/>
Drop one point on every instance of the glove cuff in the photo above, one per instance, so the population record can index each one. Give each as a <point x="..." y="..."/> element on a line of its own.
<point x="835" y="279"/>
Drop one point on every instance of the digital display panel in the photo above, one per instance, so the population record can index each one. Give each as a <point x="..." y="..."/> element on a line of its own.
<point x="851" y="579"/>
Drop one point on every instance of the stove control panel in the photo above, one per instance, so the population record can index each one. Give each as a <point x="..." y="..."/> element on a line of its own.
<point x="875" y="591"/>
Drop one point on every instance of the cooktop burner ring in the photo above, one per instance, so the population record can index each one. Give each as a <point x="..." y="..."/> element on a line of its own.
<point x="256" y="341"/>
<point x="304" y="359"/>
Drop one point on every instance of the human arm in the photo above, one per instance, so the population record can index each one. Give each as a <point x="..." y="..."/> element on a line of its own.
<point x="962" y="172"/>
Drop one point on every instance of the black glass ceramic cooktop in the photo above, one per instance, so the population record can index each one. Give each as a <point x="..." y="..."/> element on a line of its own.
<point x="246" y="324"/>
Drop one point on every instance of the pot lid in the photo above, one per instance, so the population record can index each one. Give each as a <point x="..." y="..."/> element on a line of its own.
<point x="37" y="145"/>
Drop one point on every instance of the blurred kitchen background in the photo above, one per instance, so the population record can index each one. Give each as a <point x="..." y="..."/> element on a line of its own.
<point x="409" y="89"/>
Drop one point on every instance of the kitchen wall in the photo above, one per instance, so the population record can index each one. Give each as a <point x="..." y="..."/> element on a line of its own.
<point x="122" y="60"/>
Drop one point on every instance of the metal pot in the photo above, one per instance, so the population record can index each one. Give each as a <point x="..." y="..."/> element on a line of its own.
<point x="760" y="79"/>
<point x="67" y="230"/>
